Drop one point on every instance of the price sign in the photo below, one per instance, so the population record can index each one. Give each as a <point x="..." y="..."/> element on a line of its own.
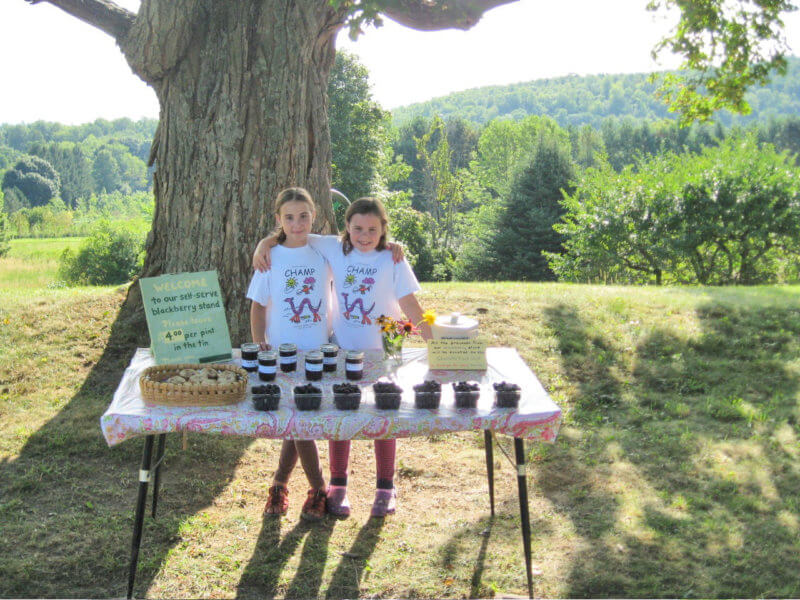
<point x="186" y="318"/>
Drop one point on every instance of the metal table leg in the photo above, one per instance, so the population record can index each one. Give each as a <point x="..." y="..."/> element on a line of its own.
<point x="489" y="446"/>
<point x="157" y="470"/>
<point x="144" y="478"/>
<point x="522" y="483"/>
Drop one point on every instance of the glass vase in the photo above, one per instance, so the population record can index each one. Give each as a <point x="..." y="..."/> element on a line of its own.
<point x="393" y="349"/>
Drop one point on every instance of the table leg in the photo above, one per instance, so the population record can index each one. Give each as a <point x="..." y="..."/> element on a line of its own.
<point x="522" y="483"/>
<point x="162" y="438"/>
<point x="489" y="446"/>
<point x="144" y="478"/>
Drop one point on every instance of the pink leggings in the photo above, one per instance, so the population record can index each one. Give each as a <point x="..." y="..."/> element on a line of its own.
<point x="385" y="451"/>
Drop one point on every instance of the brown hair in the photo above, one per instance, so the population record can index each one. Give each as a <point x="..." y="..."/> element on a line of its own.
<point x="366" y="206"/>
<point x="291" y="194"/>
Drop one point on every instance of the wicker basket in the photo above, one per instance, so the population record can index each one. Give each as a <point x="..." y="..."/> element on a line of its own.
<point x="156" y="391"/>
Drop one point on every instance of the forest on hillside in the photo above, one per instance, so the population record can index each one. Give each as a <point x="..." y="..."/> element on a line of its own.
<point x="589" y="100"/>
<point x="627" y="197"/>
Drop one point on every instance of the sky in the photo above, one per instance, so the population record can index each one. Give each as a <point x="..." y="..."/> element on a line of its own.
<point x="57" y="68"/>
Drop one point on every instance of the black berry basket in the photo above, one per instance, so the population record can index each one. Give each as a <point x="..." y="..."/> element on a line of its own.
<point x="467" y="394"/>
<point x="266" y="397"/>
<point x="428" y="394"/>
<point x="307" y="397"/>
<point x="387" y="395"/>
<point x="506" y="395"/>
<point x="346" y="396"/>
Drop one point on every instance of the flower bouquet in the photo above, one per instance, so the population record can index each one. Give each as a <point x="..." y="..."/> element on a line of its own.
<point x="394" y="332"/>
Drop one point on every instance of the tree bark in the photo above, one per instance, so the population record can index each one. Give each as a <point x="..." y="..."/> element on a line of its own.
<point x="243" y="115"/>
<point x="242" y="86"/>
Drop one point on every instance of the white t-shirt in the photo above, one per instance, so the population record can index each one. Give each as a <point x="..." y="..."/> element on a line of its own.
<point x="296" y="292"/>
<point x="367" y="285"/>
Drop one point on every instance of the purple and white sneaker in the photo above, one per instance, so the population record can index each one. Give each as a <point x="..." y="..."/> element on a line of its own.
<point x="338" y="504"/>
<point x="385" y="503"/>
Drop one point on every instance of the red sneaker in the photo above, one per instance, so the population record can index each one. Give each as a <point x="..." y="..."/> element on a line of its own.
<point x="277" y="502"/>
<point x="314" y="506"/>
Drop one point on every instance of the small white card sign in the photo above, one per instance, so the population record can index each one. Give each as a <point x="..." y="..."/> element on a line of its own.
<point x="467" y="354"/>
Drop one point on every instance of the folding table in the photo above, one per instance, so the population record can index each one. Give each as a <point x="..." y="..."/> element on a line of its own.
<point x="536" y="418"/>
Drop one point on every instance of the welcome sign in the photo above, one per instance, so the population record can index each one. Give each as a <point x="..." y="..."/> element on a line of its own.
<point x="186" y="318"/>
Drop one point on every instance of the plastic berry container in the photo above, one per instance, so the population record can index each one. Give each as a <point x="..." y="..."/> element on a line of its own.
<point x="346" y="396"/>
<point x="428" y="394"/>
<point x="387" y="395"/>
<point x="466" y="393"/>
<point x="307" y="397"/>
<point x="266" y="397"/>
<point x="506" y="395"/>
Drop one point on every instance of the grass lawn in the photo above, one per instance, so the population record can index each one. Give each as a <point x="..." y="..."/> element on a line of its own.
<point x="676" y="473"/>
<point x="31" y="264"/>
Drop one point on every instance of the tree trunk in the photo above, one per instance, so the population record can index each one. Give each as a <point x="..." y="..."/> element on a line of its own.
<point x="243" y="115"/>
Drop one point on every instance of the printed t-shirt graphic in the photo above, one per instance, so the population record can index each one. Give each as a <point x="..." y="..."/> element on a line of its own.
<point x="367" y="285"/>
<point x="358" y="283"/>
<point x="296" y="293"/>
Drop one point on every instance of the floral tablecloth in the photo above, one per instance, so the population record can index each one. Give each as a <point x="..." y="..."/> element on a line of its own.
<point x="536" y="417"/>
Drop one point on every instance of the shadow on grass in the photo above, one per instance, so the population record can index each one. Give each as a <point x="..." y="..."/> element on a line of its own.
<point x="454" y="548"/>
<point x="346" y="579"/>
<point x="262" y="576"/>
<point x="67" y="500"/>
<point x="685" y="475"/>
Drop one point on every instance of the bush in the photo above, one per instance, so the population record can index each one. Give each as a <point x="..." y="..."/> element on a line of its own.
<point x="729" y="215"/>
<point x="111" y="255"/>
<point x="4" y="247"/>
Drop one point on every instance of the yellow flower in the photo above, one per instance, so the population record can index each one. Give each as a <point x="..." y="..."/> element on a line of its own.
<point x="429" y="317"/>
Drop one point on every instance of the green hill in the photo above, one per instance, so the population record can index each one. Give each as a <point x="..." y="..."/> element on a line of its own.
<point x="579" y="100"/>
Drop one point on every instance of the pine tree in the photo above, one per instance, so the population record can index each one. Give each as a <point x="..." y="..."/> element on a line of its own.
<point x="105" y="171"/>
<point x="524" y="226"/>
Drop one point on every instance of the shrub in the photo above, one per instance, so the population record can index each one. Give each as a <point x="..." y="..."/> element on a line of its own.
<point x="729" y="215"/>
<point x="4" y="247"/>
<point x="112" y="254"/>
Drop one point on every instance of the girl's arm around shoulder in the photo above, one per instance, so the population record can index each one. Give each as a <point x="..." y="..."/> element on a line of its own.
<point x="398" y="253"/>
<point x="329" y="246"/>
<point x="261" y="256"/>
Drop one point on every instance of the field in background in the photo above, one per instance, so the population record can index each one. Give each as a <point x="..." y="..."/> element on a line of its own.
<point x="32" y="264"/>
<point x="676" y="473"/>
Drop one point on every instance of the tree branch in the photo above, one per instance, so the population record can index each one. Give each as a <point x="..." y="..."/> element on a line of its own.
<point x="432" y="15"/>
<point x="103" y="14"/>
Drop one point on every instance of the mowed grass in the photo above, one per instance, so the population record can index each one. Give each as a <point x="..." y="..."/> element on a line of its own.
<point x="676" y="473"/>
